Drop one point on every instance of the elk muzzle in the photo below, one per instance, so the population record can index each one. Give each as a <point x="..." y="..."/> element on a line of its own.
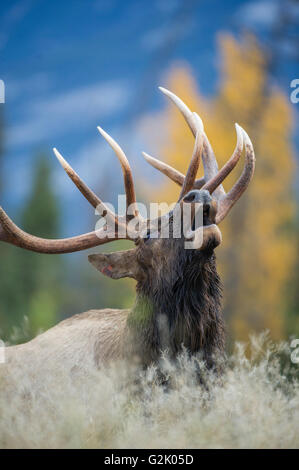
<point x="203" y="229"/>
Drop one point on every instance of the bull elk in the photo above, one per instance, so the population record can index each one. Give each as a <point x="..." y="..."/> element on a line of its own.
<point x="178" y="292"/>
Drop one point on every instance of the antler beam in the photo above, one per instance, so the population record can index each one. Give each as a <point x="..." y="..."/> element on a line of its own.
<point x="11" y="233"/>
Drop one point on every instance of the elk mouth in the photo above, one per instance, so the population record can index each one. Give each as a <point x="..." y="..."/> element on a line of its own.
<point x="210" y="234"/>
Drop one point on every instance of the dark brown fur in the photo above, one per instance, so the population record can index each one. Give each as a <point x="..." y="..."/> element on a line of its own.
<point x="182" y="288"/>
<point x="178" y="294"/>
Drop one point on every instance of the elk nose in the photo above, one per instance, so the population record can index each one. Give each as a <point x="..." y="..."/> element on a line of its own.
<point x="200" y="196"/>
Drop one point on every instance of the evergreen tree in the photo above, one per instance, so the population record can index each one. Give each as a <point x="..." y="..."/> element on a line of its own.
<point x="32" y="283"/>
<point x="41" y="274"/>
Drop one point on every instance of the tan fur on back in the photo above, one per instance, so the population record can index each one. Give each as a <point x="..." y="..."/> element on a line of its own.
<point x="84" y="341"/>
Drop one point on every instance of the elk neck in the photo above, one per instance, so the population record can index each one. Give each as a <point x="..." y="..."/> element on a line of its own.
<point x="179" y="305"/>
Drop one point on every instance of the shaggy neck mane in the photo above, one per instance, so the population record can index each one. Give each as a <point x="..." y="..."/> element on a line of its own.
<point x="181" y="306"/>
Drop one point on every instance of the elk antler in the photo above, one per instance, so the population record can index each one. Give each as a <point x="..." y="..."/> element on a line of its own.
<point x="91" y="197"/>
<point x="11" y="233"/>
<point x="127" y="172"/>
<point x="213" y="178"/>
<point x="195" y="159"/>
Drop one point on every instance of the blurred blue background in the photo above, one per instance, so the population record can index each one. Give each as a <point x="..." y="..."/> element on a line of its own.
<point x="70" y="66"/>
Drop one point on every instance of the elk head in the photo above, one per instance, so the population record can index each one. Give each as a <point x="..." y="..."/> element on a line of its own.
<point x="171" y="280"/>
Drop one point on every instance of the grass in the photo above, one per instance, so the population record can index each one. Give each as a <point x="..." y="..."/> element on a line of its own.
<point x="255" y="404"/>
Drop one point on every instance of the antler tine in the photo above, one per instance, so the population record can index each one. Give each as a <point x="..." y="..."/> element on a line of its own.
<point x="11" y="233"/>
<point x="208" y="158"/>
<point x="127" y="172"/>
<point x="225" y="205"/>
<point x="213" y="183"/>
<point x="94" y="200"/>
<point x="173" y="174"/>
<point x="213" y="178"/>
<point x="188" y="115"/>
<point x="167" y="170"/>
<point x="195" y="160"/>
<point x="210" y="166"/>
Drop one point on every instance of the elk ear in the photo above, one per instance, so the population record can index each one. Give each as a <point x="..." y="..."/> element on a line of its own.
<point x="116" y="265"/>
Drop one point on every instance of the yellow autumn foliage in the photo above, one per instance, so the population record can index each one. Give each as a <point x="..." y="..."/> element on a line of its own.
<point x="257" y="256"/>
